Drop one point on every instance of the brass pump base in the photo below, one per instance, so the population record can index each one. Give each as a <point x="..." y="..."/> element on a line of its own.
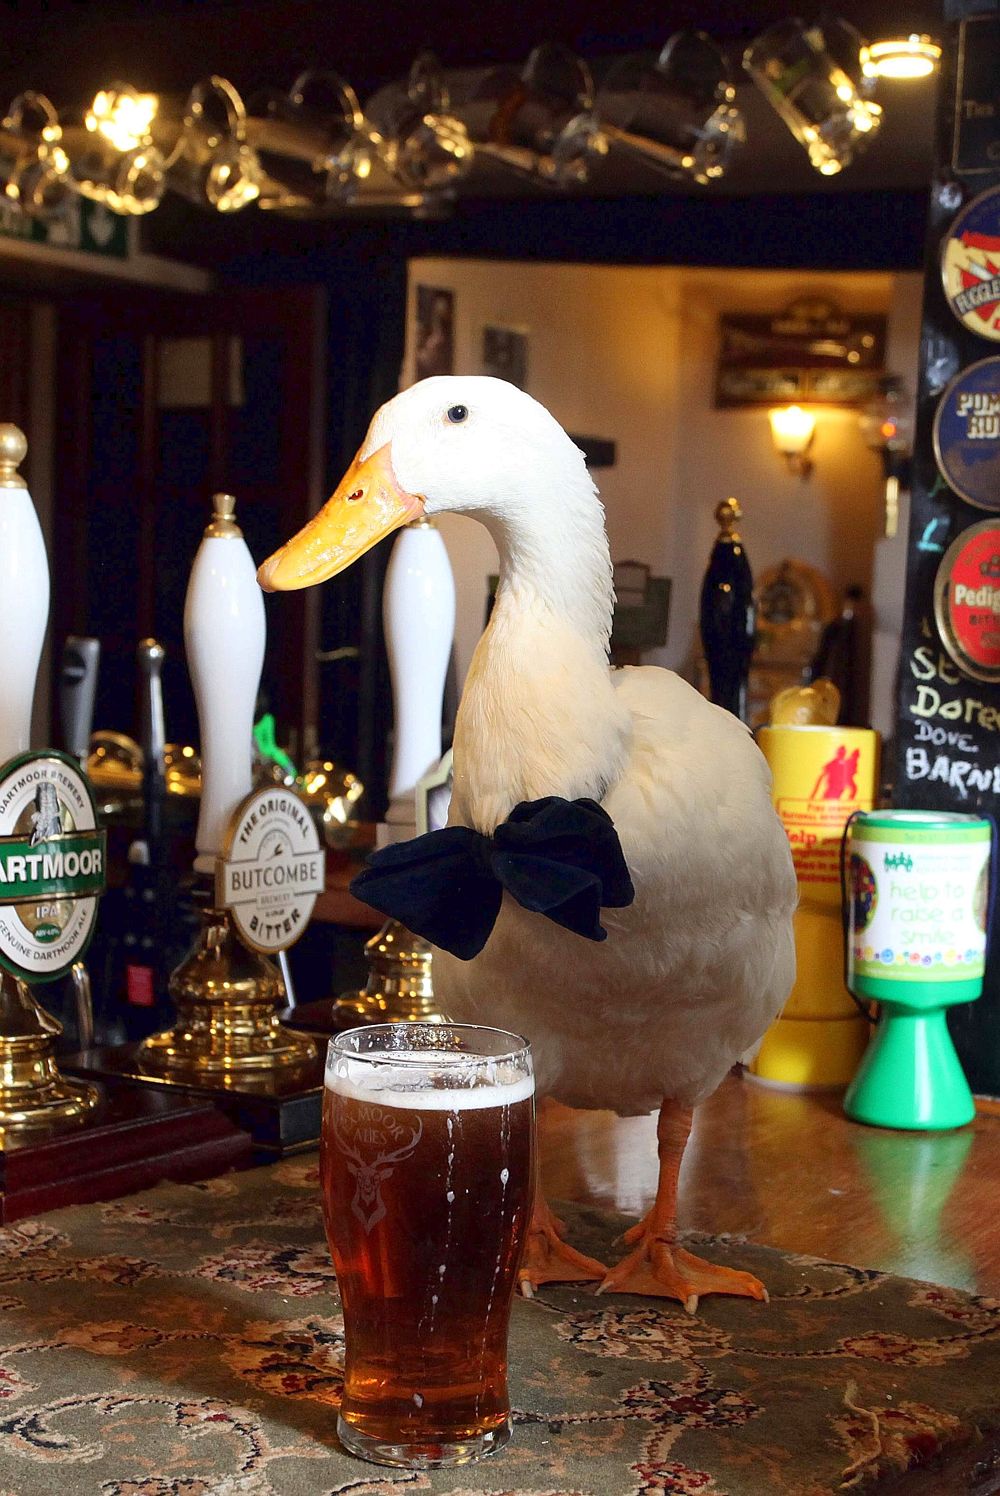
<point x="34" y="1098"/>
<point x="227" y="999"/>
<point x="399" y="987"/>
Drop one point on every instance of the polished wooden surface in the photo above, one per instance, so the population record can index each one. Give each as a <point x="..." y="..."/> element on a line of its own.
<point x="790" y="1171"/>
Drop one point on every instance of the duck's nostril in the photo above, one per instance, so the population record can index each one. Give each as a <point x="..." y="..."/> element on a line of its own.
<point x="352" y="498"/>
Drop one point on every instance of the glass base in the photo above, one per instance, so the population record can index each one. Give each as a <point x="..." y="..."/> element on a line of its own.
<point x="417" y="1456"/>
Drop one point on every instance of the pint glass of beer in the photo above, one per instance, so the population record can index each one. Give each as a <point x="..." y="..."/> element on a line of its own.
<point x="427" y="1174"/>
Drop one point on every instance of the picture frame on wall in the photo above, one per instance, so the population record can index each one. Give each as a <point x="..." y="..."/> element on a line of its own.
<point x="505" y="354"/>
<point x="811" y="352"/>
<point x="435" y="341"/>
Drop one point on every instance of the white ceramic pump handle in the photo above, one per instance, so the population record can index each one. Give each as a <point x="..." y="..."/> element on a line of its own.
<point x="24" y="597"/>
<point x="224" y="636"/>
<point x="418" y="616"/>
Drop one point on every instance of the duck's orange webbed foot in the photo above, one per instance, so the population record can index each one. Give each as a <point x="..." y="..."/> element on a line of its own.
<point x="549" y="1259"/>
<point x="658" y="1267"/>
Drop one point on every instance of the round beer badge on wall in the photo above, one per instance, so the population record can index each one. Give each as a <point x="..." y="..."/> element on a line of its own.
<point x="967" y="434"/>
<point x="52" y="865"/>
<point x="970" y="265"/>
<point x="271" y="869"/>
<point x="967" y="600"/>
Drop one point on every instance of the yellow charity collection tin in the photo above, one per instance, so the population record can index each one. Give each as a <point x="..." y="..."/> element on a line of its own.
<point x="821" y="776"/>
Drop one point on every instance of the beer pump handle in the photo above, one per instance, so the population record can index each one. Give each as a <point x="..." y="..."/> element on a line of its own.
<point x="727" y="614"/>
<point x="24" y="596"/>
<point x="77" y="689"/>
<point x="418" y="616"/>
<point x="150" y="655"/>
<point x="224" y="635"/>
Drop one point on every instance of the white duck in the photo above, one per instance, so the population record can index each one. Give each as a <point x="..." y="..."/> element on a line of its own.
<point x="693" y="971"/>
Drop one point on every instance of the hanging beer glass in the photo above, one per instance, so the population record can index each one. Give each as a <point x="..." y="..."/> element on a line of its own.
<point x="427" y="1174"/>
<point x="32" y="162"/>
<point x="312" y="145"/>
<point x="677" y="114"/>
<point x="110" y="153"/>
<point x="211" y="163"/>
<point x="805" y="74"/>
<point x="425" y="147"/>
<point x="539" y="123"/>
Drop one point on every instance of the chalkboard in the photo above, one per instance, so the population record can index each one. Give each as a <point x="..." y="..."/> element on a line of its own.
<point x="946" y="749"/>
<point x="976" y="130"/>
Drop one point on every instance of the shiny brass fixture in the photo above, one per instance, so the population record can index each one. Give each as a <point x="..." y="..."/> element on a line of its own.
<point x="224" y="526"/>
<point x="399" y="987"/>
<point x="227" y="996"/>
<point x="13" y="450"/>
<point x="227" y="999"/>
<point x="35" y="1099"/>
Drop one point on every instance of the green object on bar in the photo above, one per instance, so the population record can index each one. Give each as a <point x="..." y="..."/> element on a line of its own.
<point x="267" y="746"/>
<point x="916" y="936"/>
<point x="910" y="1075"/>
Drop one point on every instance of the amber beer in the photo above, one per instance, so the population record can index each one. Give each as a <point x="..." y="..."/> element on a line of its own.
<point x="427" y="1173"/>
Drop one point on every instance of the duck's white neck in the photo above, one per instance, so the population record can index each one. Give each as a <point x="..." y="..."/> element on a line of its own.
<point x="559" y="558"/>
<point x="539" y="715"/>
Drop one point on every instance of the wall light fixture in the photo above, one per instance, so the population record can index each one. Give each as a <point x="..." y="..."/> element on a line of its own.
<point x="792" y="431"/>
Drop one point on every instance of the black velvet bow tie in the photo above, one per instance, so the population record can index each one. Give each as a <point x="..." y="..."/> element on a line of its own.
<point x="560" y="858"/>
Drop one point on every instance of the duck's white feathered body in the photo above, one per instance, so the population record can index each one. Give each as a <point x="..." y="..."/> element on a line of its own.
<point x="692" y="972"/>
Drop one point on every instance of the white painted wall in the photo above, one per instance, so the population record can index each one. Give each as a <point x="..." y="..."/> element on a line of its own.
<point x="829" y="518"/>
<point x="629" y="354"/>
<point x="604" y="359"/>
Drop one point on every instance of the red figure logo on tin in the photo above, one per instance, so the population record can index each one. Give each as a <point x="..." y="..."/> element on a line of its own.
<point x="838" y="777"/>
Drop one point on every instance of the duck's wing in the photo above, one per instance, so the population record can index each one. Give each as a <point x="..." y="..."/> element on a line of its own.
<point x="696" y="786"/>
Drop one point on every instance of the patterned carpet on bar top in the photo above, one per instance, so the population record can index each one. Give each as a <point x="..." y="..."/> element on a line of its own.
<point x="188" y="1342"/>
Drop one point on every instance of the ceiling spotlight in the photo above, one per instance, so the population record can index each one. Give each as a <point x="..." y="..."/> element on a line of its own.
<point x="108" y="150"/>
<point x="123" y="116"/>
<point x="906" y="57"/>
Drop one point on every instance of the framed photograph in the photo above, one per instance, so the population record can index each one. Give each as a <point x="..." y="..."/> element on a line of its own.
<point x="505" y="354"/>
<point x="435" y="351"/>
<point x="811" y="351"/>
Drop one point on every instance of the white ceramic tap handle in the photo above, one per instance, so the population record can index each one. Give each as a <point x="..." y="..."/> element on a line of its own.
<point x="418" y="615"/>
<point x="224" y="635"/>
<point x="24" y="597"/>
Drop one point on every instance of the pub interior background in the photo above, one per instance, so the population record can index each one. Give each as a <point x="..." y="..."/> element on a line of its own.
<point x="619" y="295"/>
<point x="156" y="360"/>
<point x="245" y="352"/>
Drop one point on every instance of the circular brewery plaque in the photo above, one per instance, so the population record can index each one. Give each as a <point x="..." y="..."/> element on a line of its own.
<point x="970" y="265"/>
<point x="271" y="870"/>
<point x="967" y="434"/>
<point x="52" y="865"/>
<point x="967" y="600"/>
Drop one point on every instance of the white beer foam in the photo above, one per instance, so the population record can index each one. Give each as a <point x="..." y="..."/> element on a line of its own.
<point x="390" y="1082"/>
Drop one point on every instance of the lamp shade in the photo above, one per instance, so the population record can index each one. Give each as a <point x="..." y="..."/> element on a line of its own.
<point x="792" y="429"/>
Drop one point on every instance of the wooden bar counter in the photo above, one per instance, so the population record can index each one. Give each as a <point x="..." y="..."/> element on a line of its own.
<point x="790" y="1171"/>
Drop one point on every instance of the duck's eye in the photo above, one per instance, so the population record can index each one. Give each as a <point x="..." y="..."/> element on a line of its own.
<point x="458" y="413"/>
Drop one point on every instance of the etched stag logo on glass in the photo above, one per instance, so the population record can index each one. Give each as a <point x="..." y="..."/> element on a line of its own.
<point x="373" y="1141"/>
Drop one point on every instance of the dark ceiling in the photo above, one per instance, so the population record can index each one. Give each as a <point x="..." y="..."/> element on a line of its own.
<point x="69" y="50"/>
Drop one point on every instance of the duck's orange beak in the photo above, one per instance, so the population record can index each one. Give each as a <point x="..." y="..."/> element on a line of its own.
<point x="367" y="505"/>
